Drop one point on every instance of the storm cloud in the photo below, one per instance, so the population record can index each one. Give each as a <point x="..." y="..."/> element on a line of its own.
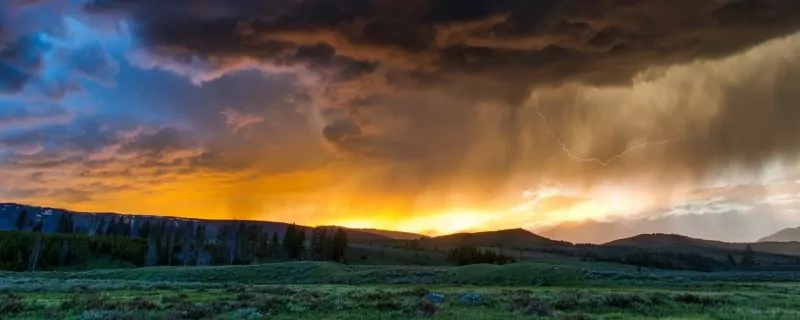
<point x="425" y="80"/>
<point x="422" y="105"/>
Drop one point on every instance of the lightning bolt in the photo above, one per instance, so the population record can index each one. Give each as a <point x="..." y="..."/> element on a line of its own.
<point x="599" y="161"/>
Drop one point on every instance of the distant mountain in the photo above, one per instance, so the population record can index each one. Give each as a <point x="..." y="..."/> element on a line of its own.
<point x="668" y="241"/>
<point x="785" y="235"/>
<point x="684" y="244"/>
<point x="589" y="231"/>
<point x="731" y="226"/>
<point x="92" y="223"/>
<point x="399" y="235"/>
<point x="510" y="238"/>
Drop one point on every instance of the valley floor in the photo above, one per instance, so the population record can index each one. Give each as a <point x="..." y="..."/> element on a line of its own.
<point x="307" y="290"/>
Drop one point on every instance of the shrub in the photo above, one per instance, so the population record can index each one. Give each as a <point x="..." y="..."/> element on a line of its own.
<point x="194" y="311"/>
<point x="658" y="298"/>
<point x="11" y="303"/>
<point x="425" y="308"/>
<point x="389" y="305"/>
<point x="105" y="315"/>
<point x="174" y="299"/>
<point x="281" y="291"/>
<point x="247" y="313"/>
<point x="417" y="292"/>
<point x="140" y="303"/>
<point x="89" y="302"/>
<point x="623" y="301"/>
<point x="271" y="304"/>
<point x="697" y="299"/>
<point x="576" y="316"/>
<point x="244" y="297"/>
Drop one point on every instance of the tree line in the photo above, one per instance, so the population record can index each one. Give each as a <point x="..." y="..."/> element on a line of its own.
<point x="471" y="254"/>
<point x="160" y="242"/>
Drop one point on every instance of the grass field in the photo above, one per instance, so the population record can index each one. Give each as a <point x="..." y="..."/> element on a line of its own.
<point x="308" y="290"/>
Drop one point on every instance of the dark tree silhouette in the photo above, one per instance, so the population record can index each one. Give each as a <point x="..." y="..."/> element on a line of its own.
<point x="748" y="257"/>
<point x="22" y="220"/>
<point x="339" y="245"/>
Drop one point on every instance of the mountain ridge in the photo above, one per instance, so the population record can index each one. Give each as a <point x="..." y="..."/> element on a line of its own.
<point x="784" y="235"/>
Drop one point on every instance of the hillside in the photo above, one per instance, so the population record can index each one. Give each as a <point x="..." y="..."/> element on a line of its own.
<point x="684" y="244"/>
<point x="785" y="235"/>
<point x="510" y="238"/>
<point x="664" y="241"/>
<point x="588" y="232"/>
<point x="399" y="235"/>
<point x="93" y="223"/>
<point x="738" y="227"/>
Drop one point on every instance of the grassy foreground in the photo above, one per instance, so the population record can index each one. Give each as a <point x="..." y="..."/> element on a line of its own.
<point x="327" y="291"/>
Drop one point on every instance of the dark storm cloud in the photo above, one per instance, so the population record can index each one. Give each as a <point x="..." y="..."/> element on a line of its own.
<point x="23" y="114"/>
<point x="410" y="78"/>
<point x="163" y="140"/>
<point x="94" y="62"/>
<point x="20" y="60"/>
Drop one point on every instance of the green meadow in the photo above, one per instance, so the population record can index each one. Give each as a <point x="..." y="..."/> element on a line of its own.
<point x="317" y="290"/>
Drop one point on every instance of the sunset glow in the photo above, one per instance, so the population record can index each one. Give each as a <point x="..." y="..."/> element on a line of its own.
<point x="435" y="123"/>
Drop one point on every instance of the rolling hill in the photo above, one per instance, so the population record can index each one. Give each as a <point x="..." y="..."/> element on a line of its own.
<point x="684" y="244"/>
<point x="785" y="235"/>
<point x="731" y="226"/>
<point x="92" y="223"/>
<point x="510" y="238"/>
<point x="589" y="231"/>
<point x="399" y="235"/>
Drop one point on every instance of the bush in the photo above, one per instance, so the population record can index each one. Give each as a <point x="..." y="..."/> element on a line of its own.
<point x="247" y="313"/>
<point x="425" y="308"/>
<point x="623" y="301"/>
<point x="194" y="311"/>
<point x="244" y="297"/>
<point x="140" y="303"/>
<point x="532" y="307"/>
<point x="418" y="292"/>
<point x="105" y="315"/>
<point x="697" y="299"/>
<point x="89" y="302"/>
<point x="11" y="303"/>
<point x="174" y="299"/>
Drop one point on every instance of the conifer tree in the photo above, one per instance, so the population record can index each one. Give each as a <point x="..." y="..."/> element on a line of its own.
<point x="318" y="244"/>
<point x="748" y="257"/>
<point x="275" y="247"/>
<point x="339" y="245"/>
<point x="22" y="220"/>
<point x="145" y="230"/>
<point x="199" y="240"/>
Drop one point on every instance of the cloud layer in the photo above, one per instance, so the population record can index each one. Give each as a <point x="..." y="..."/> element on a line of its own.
<point x="391" y="111"/>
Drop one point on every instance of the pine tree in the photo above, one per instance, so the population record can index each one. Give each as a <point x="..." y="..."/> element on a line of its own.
<point x="63" y="254"/>
<point x="318" y="244"/>
<point x="36" y="252"/>
<point x="275" y="247"/>
<point x="22" y="220"/>
<point x="145" y="229"/>
<point x="236" y="249"/>
<point x="748" y="258"/>
<point x="101" y="226"/>
<point x="111" y="227"/>
<point x="294" y="242"/>
<point x="65" y="224"/>
<point x="300" y="244"/>
<point x="339" y="245"/>
<point x="199" y="239"/>
<point x="222" y="244"/>
<point x="288" y="241"/>
<point x="121" y="228"/>
<point x="731" y="261"/>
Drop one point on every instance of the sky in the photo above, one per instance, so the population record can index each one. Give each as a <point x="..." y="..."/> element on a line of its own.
<point x="430" y="116"/>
